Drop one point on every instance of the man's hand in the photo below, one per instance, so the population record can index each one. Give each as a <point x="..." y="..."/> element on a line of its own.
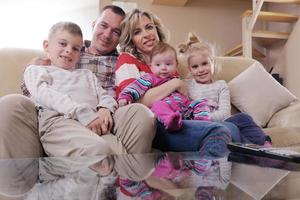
<point x="103" y="124"/>
<point x="39" y="61"/>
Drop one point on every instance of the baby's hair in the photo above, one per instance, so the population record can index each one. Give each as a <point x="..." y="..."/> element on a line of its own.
<point x="162" y="47"/>
<point x="71" y="27"/>
<point x="194" y="44"/>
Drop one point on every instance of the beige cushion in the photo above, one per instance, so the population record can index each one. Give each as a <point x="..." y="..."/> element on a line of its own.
<point x="257" y="93"/>
<point x="286" y="117"/>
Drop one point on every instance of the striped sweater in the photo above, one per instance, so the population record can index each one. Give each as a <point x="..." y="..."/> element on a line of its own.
<point x="217" y="93"/>
<point x="74" y="93"/>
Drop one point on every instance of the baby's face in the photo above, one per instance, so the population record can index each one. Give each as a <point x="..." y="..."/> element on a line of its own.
<point x="200" y="67"/>
<point x="164" y="65"/>
<point x="63" y="49"/>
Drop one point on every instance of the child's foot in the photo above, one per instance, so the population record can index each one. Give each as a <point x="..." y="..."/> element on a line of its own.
<point x="267" y="144"/>
<point x="174" y="122"/>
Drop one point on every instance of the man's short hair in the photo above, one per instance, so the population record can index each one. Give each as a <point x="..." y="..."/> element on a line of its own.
<point x="115" y="9"/>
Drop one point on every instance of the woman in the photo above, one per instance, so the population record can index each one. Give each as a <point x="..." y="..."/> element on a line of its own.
<point x="141" y="31"/>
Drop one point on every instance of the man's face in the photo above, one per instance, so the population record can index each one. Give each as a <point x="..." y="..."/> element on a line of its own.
<point x="106" y="33"/>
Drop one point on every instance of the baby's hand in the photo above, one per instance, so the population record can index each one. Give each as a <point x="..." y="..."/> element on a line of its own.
<point x="123" y="102"/>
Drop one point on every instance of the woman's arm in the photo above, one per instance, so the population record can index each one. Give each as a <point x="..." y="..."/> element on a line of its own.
<point x="162" y="91"/>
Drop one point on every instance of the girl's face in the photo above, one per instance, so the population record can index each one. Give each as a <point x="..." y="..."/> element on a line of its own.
<point x="200" y="67"/>
<point x="164" y="65"/>
<point x="145" y="35"/>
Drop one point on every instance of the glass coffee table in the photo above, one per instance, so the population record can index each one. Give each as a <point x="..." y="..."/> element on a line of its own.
<point x="148" y="176"/>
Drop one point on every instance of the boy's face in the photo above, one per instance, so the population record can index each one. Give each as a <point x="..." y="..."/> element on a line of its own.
<point x="63" y="49"/>
<point x="164" y="65"/>
<point x="200" y="67"/>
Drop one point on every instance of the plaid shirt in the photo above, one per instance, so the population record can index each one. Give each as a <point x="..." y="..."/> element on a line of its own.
<point x="102" y="66"/>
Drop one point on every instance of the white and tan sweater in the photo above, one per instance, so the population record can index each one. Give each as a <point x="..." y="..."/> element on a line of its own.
<point x="74" y="93"/>
<point x="216" y="92"/>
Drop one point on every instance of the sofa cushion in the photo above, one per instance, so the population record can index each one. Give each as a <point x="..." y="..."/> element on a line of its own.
<point x="257" y="93"/>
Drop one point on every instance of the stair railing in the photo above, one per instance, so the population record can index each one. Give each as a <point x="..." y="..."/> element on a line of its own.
<point x="248" y="23"/>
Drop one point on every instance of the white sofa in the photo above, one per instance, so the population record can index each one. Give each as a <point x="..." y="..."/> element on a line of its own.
<point x="283" y="127"/>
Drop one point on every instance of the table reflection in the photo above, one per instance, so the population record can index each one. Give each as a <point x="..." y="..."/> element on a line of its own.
<point x="138" y="176"/>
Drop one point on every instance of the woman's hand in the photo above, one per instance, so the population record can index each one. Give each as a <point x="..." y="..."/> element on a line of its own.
<point x="180" y="86"/>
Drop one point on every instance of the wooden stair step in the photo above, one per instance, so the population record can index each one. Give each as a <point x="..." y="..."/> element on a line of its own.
<point x="238" y="51"/>
<point x="267" y="38"/>
<point x="283" y="1"/>
<point x="271" y="34"/>
<point x="273" y="16"/>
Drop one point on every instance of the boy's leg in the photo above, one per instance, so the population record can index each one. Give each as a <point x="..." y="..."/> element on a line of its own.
<point x="18" y="128"/>
<point x="249" y="130"/>
<point x="134" y="129"/>
<point x="67" y="137"/>
<point x="172" y="119"/>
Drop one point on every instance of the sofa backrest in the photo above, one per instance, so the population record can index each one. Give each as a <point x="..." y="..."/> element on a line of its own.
<point x="12" y="64"/>
<point x="230" y="67"/>
<point x="14" y="60"/>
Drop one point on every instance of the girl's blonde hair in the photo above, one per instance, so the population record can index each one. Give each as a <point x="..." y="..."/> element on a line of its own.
<point x="195" y="45"/>
<point x="129" y="24"/>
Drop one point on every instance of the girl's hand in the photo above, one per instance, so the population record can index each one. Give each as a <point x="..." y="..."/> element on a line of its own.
<point x="123" y="102"/>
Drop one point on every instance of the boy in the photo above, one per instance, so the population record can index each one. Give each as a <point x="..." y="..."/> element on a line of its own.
<point x="70" y="100"/>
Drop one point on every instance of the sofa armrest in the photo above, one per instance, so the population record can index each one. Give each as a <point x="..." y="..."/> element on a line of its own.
<point x="287" y="117"/>
<point x="285" y="136"/>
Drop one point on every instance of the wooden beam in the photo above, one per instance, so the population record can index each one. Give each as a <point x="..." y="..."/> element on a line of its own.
<point x="170" y="2"/>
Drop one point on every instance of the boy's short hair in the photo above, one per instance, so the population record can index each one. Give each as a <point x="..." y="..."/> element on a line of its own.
<point x="71" y="27"/>
<point x="162" y="47"/>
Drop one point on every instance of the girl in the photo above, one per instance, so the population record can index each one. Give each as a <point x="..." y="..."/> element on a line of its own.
<point x="141" y="31"/>
<point x="174" y="107"/>
<point x="199" y="57"/>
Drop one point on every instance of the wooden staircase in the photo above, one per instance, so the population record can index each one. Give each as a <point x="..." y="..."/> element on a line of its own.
<point x="264" y="38"/>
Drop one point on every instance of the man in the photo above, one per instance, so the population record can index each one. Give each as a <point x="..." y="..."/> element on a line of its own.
<point x="132" y="132"/>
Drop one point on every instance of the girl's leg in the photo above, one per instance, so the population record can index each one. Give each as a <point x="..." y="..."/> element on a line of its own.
<point x="210" y="138"/>
<point x="250" y="131"/>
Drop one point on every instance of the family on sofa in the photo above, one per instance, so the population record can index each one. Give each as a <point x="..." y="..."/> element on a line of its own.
<point x="52" y="123"/>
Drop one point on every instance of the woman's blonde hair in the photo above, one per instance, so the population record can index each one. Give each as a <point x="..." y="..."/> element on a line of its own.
<point x="194" y="44"/>
<point x="129" y="24"/>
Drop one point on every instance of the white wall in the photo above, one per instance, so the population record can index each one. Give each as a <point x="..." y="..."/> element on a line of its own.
<point x="25" y="24"/>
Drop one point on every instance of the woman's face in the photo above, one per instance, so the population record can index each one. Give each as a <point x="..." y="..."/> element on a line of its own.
<point x="145" y="35"/>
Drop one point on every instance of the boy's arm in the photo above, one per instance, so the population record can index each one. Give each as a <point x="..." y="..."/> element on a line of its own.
<point x="38" y="82"/>
<point x="223" y="109"/>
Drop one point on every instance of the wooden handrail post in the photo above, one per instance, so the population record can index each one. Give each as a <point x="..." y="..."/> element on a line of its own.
<point x="247" y="37"/>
